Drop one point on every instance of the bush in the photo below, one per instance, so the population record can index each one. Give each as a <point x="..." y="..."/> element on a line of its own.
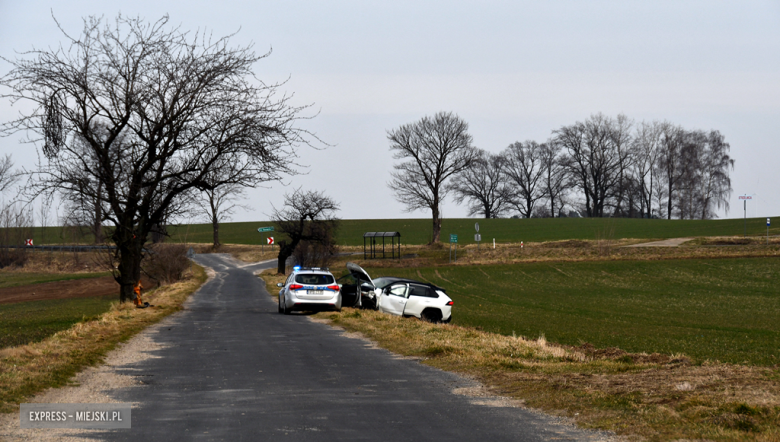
<point x="16" y="223"/>
<point x="166" y="263"/>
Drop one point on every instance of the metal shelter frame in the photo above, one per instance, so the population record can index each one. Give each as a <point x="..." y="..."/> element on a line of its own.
<point x="372" y="252"/>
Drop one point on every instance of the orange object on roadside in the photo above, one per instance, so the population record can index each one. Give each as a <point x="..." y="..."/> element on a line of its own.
<point x="137" y="289"/>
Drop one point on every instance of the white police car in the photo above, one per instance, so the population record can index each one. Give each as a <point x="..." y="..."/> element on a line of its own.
<point x="309" y="289"/>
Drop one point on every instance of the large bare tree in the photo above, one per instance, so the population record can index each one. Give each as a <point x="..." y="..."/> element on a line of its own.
<point x="555" y="178"/>
<point x="670" y="161"/>
<point x="595" y="160"/>
<point x="158" y="110"/>
<point x="523" y="168"/>
<point x="306" y="216"/>
<point x="433" y="149"/>
<point x="715" y="188"/>
<point x="482" y="186"/>
<point x="647" y="140"/>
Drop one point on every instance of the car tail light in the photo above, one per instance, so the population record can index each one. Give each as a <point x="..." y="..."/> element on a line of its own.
<point x="333" y="287"/>
<point x="450" y="303"/>
<point x="295" y="287"/>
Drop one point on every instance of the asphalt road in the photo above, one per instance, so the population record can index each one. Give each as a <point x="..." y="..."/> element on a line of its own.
<point x="232" y="368"/>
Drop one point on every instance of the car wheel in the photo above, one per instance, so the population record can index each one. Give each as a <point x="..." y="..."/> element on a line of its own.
<point x="431" y="315"/>
<point x="285" y="310"/>
<point x="279" y="304"/>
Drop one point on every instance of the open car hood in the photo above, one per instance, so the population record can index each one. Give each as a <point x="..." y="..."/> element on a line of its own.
<point x="359" y="274"/>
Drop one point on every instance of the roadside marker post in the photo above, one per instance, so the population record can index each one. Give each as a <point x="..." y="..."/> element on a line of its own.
<point x="767" y="231"/>
<point x="494" y="244"/>
<point x="477" y="237"/>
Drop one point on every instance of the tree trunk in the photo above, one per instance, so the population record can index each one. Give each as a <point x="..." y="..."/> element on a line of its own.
<point x="436" y="223"/>
<point x="129" y="270"/>
<point x="285" y="251"/>
<point x="215" y="227"/>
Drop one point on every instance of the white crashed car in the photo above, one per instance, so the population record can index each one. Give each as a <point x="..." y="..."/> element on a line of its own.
<point x="309" y="289"/>
<point x="400" y="296"/>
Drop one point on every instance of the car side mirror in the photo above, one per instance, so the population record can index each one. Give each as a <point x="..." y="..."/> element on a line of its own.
<point x="279" y="284"/>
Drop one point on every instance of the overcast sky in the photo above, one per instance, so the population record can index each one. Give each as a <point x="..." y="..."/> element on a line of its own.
<point x="513" y="70"/>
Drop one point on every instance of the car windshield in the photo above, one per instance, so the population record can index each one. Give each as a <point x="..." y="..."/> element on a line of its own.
<point x="381" y="283"/>
<point x="313" y="279"/>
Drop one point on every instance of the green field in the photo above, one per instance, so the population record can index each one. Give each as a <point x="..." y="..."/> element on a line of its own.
<point x="8" y="279"/>
<point x="26" y="322"/>
<point x="418" y="231"/>
<point x="725" y="309"/>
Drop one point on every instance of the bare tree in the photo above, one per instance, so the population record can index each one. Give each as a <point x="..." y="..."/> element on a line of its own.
<point x="555" y="177"/>
<point x="715" y="183"/>
<point x="620" y="132"/>
<point x="703" y="182"/>
<point x="524" y="169"/>
<point x="436" y="148"/>
<point x="158" y="110"/>
<point x="669" y="161"/>
<point x="647" y="142"/>
<point x="219" y="203"/>
<point x="594" y="160"/>
<point x="7" y="176"/>
<point x="16" y="225"/>
<point x="306" y="216"/>
<point x="482" y="186"/>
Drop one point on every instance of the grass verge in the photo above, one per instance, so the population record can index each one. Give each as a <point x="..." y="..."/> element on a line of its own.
<point x="653" y="396"/>
<point x="29" y="369"/>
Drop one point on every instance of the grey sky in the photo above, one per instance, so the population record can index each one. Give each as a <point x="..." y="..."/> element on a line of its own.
<point x="513" y="70"/>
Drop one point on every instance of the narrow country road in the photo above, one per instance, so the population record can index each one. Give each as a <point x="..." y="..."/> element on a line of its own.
<point x="231" y="368"/>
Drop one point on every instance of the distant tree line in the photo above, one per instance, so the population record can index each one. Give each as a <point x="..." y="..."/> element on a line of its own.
<point x="599" y="167"/>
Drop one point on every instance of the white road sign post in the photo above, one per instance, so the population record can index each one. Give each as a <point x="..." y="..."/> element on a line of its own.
<point x="745" y="199"/>
<point x="477" y="237"/>
<point x="767" y="231"/>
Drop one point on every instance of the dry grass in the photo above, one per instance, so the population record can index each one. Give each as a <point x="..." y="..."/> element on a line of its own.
<point x="658" y="397"/>
<point x="558" y="251"/>
<point x="510" y="253"/>
<point x="29" y="369"/>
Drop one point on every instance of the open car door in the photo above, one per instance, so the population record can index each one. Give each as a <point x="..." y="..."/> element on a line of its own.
<point x="364" y="281"/>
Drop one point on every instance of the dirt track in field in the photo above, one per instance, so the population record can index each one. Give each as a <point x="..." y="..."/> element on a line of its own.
<point x="75" y="288"/>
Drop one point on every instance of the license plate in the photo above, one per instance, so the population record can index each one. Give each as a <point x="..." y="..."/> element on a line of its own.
<point x="315" y="292"/>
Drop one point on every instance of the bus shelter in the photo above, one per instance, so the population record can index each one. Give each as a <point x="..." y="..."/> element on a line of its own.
<point x="371" y="245"/>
